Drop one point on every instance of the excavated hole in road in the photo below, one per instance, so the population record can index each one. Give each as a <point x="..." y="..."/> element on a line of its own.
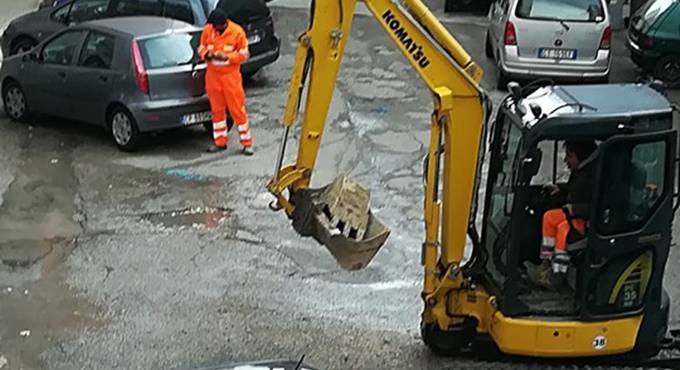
<point x="209" y="217"/>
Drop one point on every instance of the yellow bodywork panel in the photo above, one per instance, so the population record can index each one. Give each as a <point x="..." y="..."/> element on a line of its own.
<point x="538" y="338"/>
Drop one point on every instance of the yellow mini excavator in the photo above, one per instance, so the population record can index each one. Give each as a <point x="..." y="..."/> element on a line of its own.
<point x="612" y="301"/>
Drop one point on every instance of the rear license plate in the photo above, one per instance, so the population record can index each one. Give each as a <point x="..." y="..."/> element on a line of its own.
<point x="547" y="53"/>
<point x="190" y="119"/>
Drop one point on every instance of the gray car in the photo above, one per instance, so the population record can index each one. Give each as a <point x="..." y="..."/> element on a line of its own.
<point x="130" y="75"/>
<point x="567" y="40"/>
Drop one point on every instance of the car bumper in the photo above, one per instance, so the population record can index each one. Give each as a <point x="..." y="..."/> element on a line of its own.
<point x="515" y="66"/>
<point x="641" y="57"/>
<point x="166" y="114"/>
<point x="4" y="44"/>
<point x="255" y="62"/>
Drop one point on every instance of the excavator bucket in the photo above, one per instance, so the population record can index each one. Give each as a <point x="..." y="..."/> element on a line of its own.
<point x="338" y="216"/>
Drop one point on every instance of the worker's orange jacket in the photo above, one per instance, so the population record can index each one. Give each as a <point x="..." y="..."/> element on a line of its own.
<point x="232" y="44"/>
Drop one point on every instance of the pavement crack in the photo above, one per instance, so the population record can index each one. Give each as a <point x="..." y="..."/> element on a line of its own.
<point x="109" y="270"/>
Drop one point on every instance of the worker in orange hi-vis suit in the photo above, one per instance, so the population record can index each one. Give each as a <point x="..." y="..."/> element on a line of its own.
<point x="224" y="46"/>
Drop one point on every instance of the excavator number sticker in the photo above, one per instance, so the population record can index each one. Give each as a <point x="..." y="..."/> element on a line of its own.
<point x="415" y="50"/>
<point x="599" y="342"/>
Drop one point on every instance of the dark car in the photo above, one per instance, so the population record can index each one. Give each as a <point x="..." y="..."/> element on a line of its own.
<point x="254" y="15"/>
<point x="654" y="39"/>
<point x="130" y="74"/>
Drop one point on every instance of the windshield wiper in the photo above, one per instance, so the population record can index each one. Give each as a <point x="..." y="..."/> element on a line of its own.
<point x="564" y="24"/>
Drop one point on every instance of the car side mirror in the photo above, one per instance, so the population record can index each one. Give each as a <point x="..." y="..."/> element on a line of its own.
<point x="32" y="56"/>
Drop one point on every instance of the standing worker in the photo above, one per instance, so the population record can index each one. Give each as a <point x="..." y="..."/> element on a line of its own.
<point x="224" y="47"/>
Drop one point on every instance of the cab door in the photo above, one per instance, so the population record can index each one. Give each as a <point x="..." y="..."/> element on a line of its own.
<point x="629" y="230"/>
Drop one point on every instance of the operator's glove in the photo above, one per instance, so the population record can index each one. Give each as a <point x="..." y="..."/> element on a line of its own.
<point x="560" y="262"/>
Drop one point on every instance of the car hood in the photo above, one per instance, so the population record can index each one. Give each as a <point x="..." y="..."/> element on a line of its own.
<point x="32" y="18"/>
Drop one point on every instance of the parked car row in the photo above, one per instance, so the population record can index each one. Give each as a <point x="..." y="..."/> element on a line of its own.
<point x="127" y="65"/>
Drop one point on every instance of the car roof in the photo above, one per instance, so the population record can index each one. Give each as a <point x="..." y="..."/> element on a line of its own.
<point x="140" y="26"/>
<point x="579" y="103"/>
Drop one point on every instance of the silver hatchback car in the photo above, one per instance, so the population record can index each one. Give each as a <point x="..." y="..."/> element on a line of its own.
<point x="567" y="40"/>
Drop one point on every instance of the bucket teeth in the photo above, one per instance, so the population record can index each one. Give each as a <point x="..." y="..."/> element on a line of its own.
<point x="338" y="216"/>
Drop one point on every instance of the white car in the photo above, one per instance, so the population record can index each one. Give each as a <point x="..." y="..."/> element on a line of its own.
<point x="566" y="40"/>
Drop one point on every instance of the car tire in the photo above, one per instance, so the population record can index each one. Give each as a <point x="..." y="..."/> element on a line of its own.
<point x="488" y="49"/>
<point x="250" y="75"/>
<point x="15" y="103"/>
<point x="22" y="45"/>
<point x="456" y="5"/>
<point x="501" y="79"/>
<point x="667" y="68"/>
<point x="124" y="130"/>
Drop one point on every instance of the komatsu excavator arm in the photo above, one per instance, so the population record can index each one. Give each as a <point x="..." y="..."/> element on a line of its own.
<point x="457" y="126"/>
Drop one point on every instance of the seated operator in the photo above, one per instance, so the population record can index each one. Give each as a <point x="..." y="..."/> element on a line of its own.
<point x="574" y="197"/>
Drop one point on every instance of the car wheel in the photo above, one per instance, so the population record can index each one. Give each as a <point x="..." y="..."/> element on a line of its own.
<point x="668" y="69"/>
<point x="15" y="102"/>
<point x="250" y="74"/>
<point x="22" y="45"/>
<point x="501" y="78"/>
<point x="488" y="49"/>
<point x="124" y="130"/>
<point x="455" y="5"/>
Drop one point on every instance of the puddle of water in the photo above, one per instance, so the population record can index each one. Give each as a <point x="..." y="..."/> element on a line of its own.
<point x="36" y="229"/>
<point x="208" y="217"/>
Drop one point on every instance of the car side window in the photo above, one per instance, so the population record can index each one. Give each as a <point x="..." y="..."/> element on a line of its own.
<point x="86" y="10"/>
<point x="178" y="9"/>
<point x="61" y="50"/>
<point x="97" y="51"/>
<point x="136" y="7"/>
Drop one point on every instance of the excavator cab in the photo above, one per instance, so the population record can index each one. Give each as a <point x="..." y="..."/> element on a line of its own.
<point x="617" y="267"/>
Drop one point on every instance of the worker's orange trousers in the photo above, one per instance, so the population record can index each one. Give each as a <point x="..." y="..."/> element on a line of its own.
<point x="555" y="230"/>
<point x="225" y="92"/>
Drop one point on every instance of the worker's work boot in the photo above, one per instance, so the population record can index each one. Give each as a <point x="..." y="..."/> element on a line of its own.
<point x="247" y="150"/>
<point x="215" y="148"/>
<point x="543" y="276"/>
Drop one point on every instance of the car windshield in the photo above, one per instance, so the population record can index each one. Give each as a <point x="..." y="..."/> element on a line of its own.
<point x="566" y="10"/>
<point x="169" y="50"/>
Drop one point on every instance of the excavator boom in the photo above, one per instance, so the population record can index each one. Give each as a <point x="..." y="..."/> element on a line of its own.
<point x="338" y="215"/>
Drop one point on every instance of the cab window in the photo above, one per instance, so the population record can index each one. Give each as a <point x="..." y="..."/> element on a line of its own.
<point x="634" y="176"/>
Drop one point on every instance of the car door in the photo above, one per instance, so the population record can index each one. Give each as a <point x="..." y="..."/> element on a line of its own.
<point x="85" y="10"/>
<point x="92" y="78"/>
<point x="47" y="74"/>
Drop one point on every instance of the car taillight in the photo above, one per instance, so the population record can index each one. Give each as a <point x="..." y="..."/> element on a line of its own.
<point x="510" y="37"/>
<point x="140" y="72"/>
<point x="646" y="42"/>
<point x="606" y="41"/>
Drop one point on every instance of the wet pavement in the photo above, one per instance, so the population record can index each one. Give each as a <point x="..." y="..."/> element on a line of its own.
<point x="171" y="258"/>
